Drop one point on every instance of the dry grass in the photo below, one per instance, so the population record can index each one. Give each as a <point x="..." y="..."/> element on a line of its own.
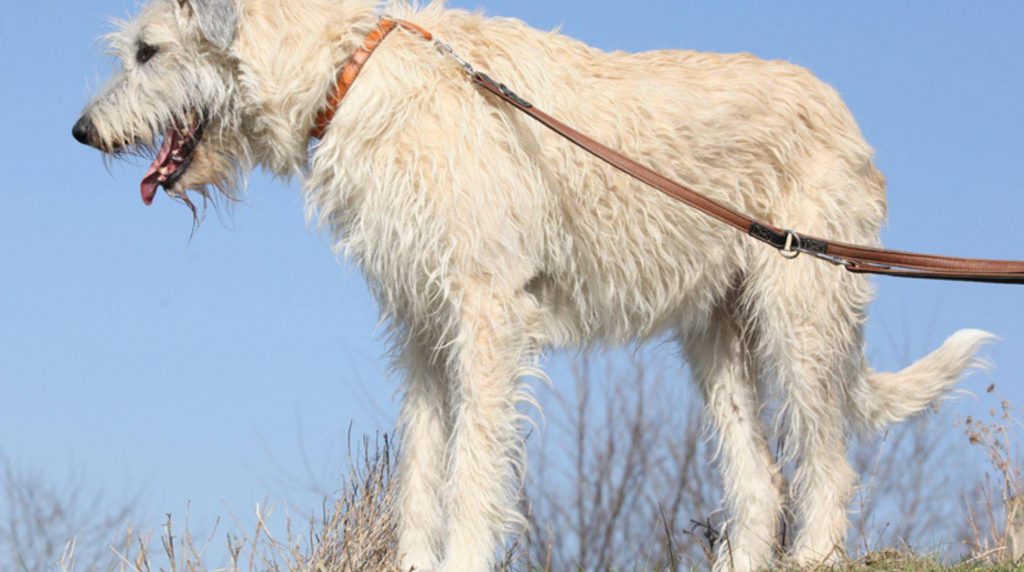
<point x="354" y="533"/>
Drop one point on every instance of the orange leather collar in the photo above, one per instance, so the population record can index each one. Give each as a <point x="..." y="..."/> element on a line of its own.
<point x="354" y="65"/>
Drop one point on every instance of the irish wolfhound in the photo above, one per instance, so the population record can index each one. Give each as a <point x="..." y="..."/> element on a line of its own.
<point x="487" y="239"/>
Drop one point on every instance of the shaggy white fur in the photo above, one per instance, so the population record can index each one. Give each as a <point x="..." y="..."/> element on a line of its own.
<point x="487" y="239"/>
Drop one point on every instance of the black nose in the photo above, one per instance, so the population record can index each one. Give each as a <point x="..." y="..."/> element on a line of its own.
<point x="83" y="131"/>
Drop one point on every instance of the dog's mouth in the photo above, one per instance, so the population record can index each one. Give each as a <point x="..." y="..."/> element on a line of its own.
<point x="174" y="157"/>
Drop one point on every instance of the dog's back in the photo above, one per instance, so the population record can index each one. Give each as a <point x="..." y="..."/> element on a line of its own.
<point x="616" y="259"/>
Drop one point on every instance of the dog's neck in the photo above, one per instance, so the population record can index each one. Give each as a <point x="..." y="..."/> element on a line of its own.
<point x="288" y="70"/>
<point x="354" y="65"/>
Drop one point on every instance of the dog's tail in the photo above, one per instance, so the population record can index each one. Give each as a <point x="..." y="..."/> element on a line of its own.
<point x="880" y="399"/>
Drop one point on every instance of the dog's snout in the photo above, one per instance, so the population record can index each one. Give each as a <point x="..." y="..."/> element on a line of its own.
<point x="84" y="131"/>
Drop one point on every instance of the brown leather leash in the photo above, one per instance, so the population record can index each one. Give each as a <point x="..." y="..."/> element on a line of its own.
<point x="854" y="258"/>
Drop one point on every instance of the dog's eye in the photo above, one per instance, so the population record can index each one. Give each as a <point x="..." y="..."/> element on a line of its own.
<point x="145" y="52"/>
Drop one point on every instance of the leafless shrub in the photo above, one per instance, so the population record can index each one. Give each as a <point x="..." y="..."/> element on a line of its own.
<point x="40" y="519"/>
<point x="908" y="489"/>
<point x="622" y="476"/>
<point x="992" y="503"/>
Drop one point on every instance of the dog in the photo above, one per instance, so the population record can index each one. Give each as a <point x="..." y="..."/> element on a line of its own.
<point x="488" y="240"/>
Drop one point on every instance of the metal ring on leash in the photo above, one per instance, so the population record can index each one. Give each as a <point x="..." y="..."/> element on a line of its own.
<point x="793" y="247"/>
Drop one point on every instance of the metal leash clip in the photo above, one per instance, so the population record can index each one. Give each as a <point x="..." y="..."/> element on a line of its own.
<point x="447" y="50"/>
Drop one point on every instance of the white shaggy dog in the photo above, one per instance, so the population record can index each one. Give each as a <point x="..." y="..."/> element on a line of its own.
<point x="488" y="239"/>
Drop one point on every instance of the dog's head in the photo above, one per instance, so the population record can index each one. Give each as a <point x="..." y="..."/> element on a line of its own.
<point x="176" y="98"/>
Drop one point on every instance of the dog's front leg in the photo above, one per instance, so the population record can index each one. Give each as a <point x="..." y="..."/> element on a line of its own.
<point x="425" y="428"/>
<point x="489" y="352"/>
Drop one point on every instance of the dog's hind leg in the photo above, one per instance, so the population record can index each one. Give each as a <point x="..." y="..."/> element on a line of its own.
<point x="491" y="351"/>
<point x="425" y="428"/>
<point x="719" y="361"/>
<point x="809" y="341"/>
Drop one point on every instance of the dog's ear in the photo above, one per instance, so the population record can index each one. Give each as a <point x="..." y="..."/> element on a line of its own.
<point x="217" y="19"/>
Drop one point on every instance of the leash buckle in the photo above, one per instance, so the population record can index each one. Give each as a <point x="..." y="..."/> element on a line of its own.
<point x="795" y="245"/>
<point x="791" y="245"/>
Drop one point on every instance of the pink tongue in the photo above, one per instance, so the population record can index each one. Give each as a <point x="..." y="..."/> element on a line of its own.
<point x="153" y="178"/>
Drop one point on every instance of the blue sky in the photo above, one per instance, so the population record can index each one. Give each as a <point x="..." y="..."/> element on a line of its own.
<point x="194" y="369"/>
